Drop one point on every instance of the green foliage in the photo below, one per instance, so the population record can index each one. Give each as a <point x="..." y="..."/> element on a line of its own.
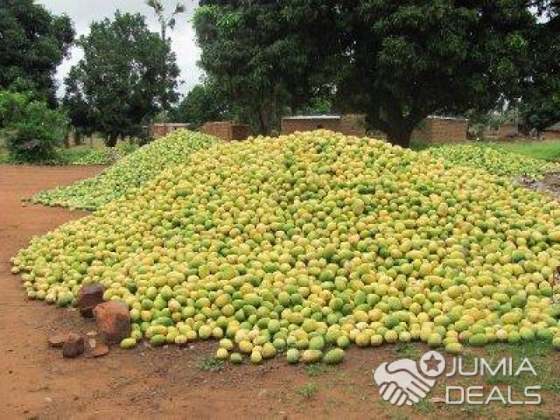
<point x="308" y="390"/>
<point x="33" y="43"/>
<point x="267" y="56"/>
<point x="128" y="173"/>
<point x="540" y="104"/>
<point x="398" y="62"/>
<point x="32" y="130"/>
<point x="202" y="104"/>
<point x="126" y="76"/>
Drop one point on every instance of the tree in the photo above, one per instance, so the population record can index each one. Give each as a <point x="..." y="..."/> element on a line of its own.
<point x="410" y="59"/>
<point x="33" y="43"/>
<point x="266" y="56"/>
<point x="397" y="62"/>
<point x="540" y="103"/>
<point x="165" y="21"/>
<point x="126" y="75"/>
<point x="202" y="104"/>
<point x="32" y="130"/>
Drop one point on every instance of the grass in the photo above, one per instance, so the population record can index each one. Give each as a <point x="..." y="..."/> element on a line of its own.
<point x="211" y="364"/>
<point x="546" y="149"/>
<point x="308" y="390"/>
<point x="316" y="369"/>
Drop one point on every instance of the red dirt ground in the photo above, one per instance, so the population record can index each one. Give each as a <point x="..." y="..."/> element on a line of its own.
<point x="36" y="382"/>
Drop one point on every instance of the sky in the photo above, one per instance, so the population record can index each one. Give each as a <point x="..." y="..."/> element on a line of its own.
<point x="84" y="12"/>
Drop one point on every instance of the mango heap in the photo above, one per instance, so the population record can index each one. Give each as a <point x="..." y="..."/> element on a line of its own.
<point x="130" y="172"/>
<point x="310" y="242"/>
<point x="496" y="161"/>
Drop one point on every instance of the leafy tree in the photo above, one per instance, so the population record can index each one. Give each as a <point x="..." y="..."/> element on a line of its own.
<point x="126" y="75"/>
<point x="33" y="43"/>
<point x="397" y="62"/>
<point x="412" y="58"/>
<point x="540" y="104"/>
<point x="202" y="104"/>
<point x="266" y="56"/>
<point x="32" y="130"/>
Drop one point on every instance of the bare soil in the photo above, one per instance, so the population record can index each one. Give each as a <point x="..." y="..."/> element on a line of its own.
<point x="169" y="382"/>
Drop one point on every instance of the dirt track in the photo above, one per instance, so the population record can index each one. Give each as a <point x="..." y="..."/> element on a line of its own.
<point x="35" y="382"/>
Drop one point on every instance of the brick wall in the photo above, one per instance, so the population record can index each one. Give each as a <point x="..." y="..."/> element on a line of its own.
<point x="550" y="135"/>
<point x="441" y="130"/>
<point x="162" y="129"/>
<point x="351" y="124"/>
<point x="226" y="130"/>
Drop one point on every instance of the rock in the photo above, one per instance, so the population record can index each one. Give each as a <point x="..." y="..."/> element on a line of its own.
<point x="113" y="321"/>
<point x="89" y="297"/>
<point x="73" y="346"/>
<point x="57" y="340"/>
<point x="100" y="350"/>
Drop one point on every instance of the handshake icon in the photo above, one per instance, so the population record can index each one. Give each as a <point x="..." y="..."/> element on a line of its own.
<point x="405" y="381"/>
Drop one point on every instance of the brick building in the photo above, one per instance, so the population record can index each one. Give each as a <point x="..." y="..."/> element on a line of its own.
<point x="226" y="130"/>
<point x="351" y="124"/>
<point x="441" y="130"/>
<point x="552" y="132"/>
<point x="158" y="130"/>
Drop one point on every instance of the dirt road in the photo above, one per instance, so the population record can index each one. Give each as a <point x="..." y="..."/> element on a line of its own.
<point x="36" y="382"/>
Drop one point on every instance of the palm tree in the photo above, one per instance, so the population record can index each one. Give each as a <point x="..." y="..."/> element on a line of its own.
<point x="165" y="21"/>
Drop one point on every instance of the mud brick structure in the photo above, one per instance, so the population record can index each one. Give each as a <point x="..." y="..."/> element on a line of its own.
<point x="350" y="125"/>
<point x="226" y="130"/>
<point x="441" y="130"/>
<point x="162" y="129"/>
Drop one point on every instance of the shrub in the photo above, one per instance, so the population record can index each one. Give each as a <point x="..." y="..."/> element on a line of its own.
<point x="32" y="130"/>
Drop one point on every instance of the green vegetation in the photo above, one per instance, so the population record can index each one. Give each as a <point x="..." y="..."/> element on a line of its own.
<point x="547" y="150"/>
<point x="211" y="364"/>
<point x="125" y="76"/>
<point x="127" y="174"/>
<point x="308" y="390"/>
<point x="34" y="43"/>
<point x="311" y="242"/>
<point x="31" y="130"/>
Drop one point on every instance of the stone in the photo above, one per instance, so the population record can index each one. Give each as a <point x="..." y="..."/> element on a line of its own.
<point x="73" y="346"/>
<point x="57" y="340"/>
<point x="100" y="350"/>
<point x="113" y="321"/>
<point x="89" y="296"/>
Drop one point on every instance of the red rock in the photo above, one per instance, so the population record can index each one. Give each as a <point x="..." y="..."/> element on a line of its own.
<point x="57" y="340"/>
<point x="113" y="321"/>
<point x="100" y="350"/>
<point x="73" y="346"/>
<point x="89" y="297"/>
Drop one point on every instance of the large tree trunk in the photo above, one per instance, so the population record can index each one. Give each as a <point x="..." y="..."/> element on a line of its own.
<point x="111" y="140"/>
<point x="399" y="135"/>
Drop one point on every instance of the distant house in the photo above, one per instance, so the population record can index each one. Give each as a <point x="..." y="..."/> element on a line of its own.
<point x="158" y="130"/>
<point x="226" y="130"/>
<point x="436" y="129"/>
<point x="349" y="124"/>
<point x="552" y="132"/>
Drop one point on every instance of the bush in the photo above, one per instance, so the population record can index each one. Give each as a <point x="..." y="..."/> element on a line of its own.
<point x="32" y="130"/>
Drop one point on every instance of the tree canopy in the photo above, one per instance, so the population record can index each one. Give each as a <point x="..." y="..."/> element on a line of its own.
<point x="203" y="103"/>
<point x="33" y="42"/>
<point x="397" y="62"/>
<point x="265" y="56"/>
<point x="126" y="75"/>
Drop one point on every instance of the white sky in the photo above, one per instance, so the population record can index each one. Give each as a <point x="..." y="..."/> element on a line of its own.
<point x="83" y="12"/>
